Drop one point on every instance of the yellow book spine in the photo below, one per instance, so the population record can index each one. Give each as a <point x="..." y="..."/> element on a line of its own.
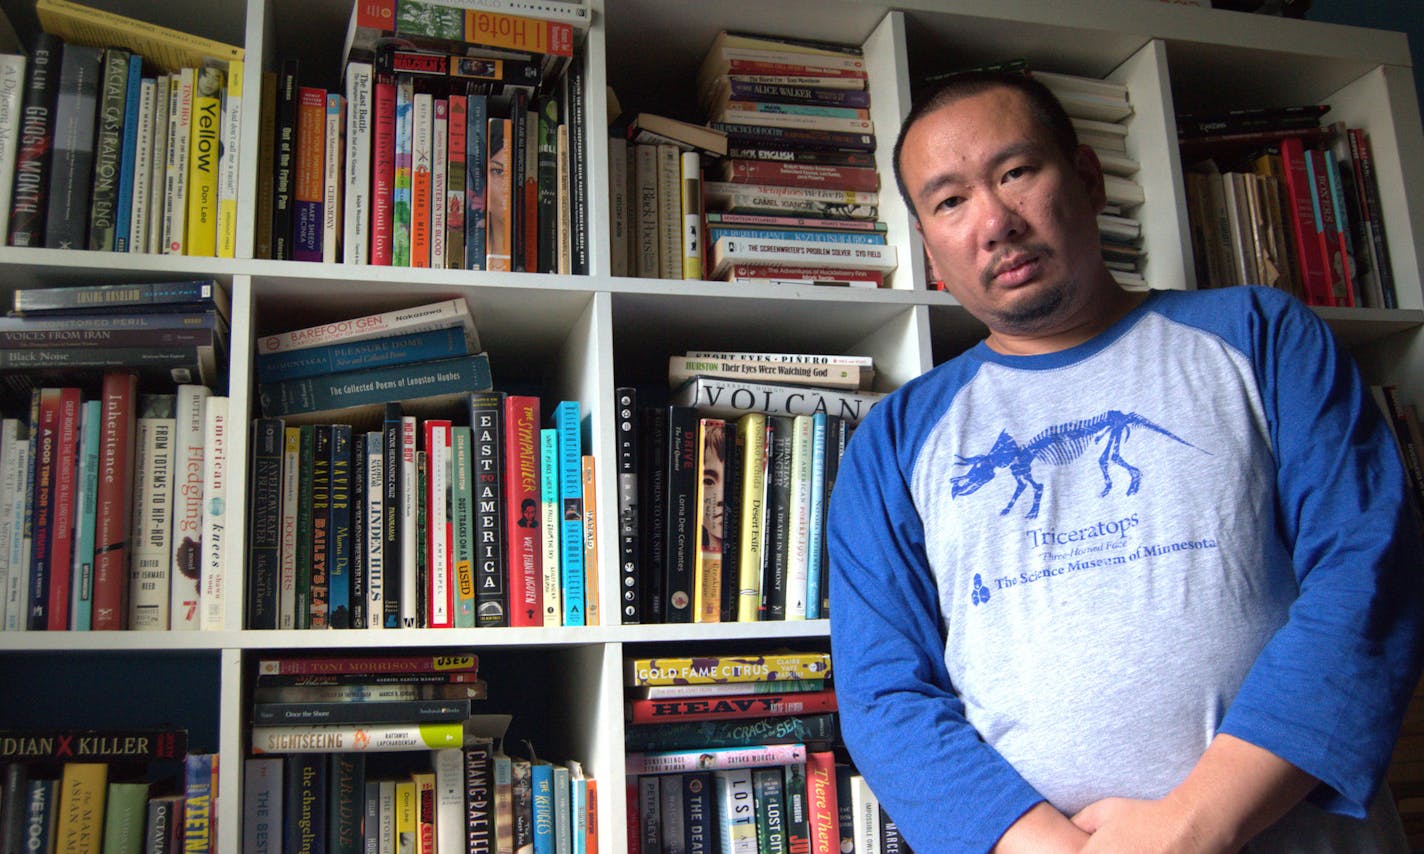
<point x="166" y="49"/>
<point x="407" y="816"/>
<point x="82" y="789"/>
<point x="228" y="163"/>
<point x="751" y="434"/>
<point x="204" y="147"/>
<point x="707" y="567"/>
<point x="590" y="541"/>
<point x="713" y="669"/>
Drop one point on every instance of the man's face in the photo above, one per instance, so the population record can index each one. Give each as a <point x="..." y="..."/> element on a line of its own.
<point x="1008" y="220"/>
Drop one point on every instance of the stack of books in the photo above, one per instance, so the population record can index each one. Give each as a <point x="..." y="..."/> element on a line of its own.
<point x="734" y="752"/>
<point x="1100" y="111"/>
<point x="410" y="493"/>
<point x="1275" y="198"/>
<point x="455" y="143"/>
<point x="442" y="774"/>
<point x="722" y="493"/>
<point x="110" y="789"/>
<point x="106" y="158"/>
<point x="796" y="200"/>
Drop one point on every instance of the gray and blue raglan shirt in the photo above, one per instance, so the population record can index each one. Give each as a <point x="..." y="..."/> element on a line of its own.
<point x="1058" y="576"/>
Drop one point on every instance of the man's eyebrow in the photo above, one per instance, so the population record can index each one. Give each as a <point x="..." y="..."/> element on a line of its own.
<point x="949" y="177"/>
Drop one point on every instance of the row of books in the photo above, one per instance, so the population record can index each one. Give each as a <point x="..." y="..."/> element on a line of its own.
<point x="1402" y="416"/>
<point x="388" y="779"/>
<point x="113" y="513"/>
<point x="94" y="792"/>
<point x="450" y="146"/>
<point x="722" y="493"/>
<point x="1275" y="198"/>
<point x="128" y="139"/>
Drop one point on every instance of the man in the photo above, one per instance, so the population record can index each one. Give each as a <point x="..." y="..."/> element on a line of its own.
<point x="1135" y="573"/>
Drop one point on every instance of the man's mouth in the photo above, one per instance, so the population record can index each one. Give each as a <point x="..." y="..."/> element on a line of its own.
<point x="1015" y="271"/>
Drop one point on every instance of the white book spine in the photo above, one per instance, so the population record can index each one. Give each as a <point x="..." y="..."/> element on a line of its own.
<point x="331" y="204"/>
<point x="187" y="536"/>
<point x="228" y="160"/>
<point x="175" y="187"/>
<point x="691" y="215"/>
<point x="158" y="161"/>
<point x="437" y="516"/>
<point x="798" y="545"/>
<point x="9" y="525"/>
<point x="737" y="250"/>
<point x="737" y="808"/>
<point x="865" y="816"/>
<point x="17" y="592"/>
<point x="12" y="90"/>
<point x="618" y="204"/>
<point x="356" y="223"/>
<point x="669" y="212"/>
<point x="439" y="174"/>
<point x="142" y="166"/>
<point x="287" y="556"/>
<point x="450" y="819"/>
<point x="213" y="595"/>
<point x="151" y="557"/>
<point x="409" y="575"/>
<point x="375" y="531"/>
<point x="388" y="818"/>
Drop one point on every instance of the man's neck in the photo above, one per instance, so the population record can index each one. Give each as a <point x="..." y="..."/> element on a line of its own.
<point x="1100" y="314"/>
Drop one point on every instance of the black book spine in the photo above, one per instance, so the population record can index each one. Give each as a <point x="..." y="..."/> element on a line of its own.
<point x="284" y="169"/>
<point x="479" y="796"/>
<point x="681" y="523"/>
<point x="339" y="562"/>
<point x="391" y="533"/>
<point x="358" y="530"/>
<point x="12" y="812"/>
<point x="306" y="467"/>
<point x="103" y="211"/>
<point x="699" y="816"/>
<point x="548" y="165"/>
<point x="731" y="522"/>
<point x="321" y="527"/>
<point x="798" y="819"/>
<point x="491" y="591"/>
<point x="771" y="809"/>
<point x="837" y="433"/>
<point x="653" y="532"/>
<point x="72" y="167"/>
<point x="304" y="813"/>
<point x="626" y="438"/>
<point x="265" y="523"/>
<point x="578" y="166"/>
<point x="29" y="196"/>
<point x="778" y="519"/>
<point x="518" y="212"/>
<point x="346" y="804"/>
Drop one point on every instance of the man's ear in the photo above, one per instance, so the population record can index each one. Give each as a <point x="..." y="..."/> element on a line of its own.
<point x="929" y="259"/>
<point x="1090" y="172"/>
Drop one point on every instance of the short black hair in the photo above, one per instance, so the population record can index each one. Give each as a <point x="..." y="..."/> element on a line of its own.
<point x="1043" y="105"/>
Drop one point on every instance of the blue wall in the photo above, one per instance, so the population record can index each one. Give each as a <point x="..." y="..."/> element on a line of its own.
<point x="1406" y="16"/>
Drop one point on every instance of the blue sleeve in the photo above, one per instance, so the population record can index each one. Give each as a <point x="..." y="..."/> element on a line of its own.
<point x="1329" y="690"/>
<point x="946" y="789"/>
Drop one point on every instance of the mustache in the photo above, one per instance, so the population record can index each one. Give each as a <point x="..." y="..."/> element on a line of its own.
<point x="1041" y="250"/>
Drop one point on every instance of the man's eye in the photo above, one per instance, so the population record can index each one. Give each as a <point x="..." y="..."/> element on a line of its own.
<point x="1015" y="173"/>
<point x="951" y="202"/>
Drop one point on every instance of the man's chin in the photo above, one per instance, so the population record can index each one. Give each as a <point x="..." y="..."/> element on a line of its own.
<point x="1032" y="310"/>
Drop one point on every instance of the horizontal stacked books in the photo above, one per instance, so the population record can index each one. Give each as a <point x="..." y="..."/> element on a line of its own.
<point x="94" y="791"/>
<point x="738" y="753"/>
<point x="109" y="159"/>
<point x="427" y="500"/>
<point x="114" y="478"/>
<point x="722" y="494"/>
<point x="409" y="769"/>
<point x="797" y="197"/>
<point x="1274" y="198"/>
<point x="454" y="143"/>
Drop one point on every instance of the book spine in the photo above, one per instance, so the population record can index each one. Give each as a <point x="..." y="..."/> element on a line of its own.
<point x="516" y="32"/>
<point x="821" y="804"/>
<point x="82" y="790"/>
<point x="62" y="526"/>
<point x="29" y="194"/>
<point x="150" y="573"/>
<point x="522" y="541"/>
<point x="518" y="108"/>
<point x="175" y="182"/>
<point x="203" y="152"/>
<point x="401" y="195"/>
<point x="736" y="803"/>
<point x="479" y="795"/>
<point x="339" y="560"/>
<point x="870" y="238"/>
<point x="449" y="767"/>
<point x="262" y="803"/>
<point x="769" y="788"/>
<point x="440" y="613"/>
<point x="476" y="158"/>
<point x="305" y="805"/>
<point x="421" y="153"/>
<point x="113" y="521"/>
<point x="72" y="162"/>
<point x="188" y="484"/>
<point x="1300" y="194"/>
<point x="44" y="419"/>
<point x="578" y="167"/>
<point x="361" y="712"/>
<point x="626" y="443"/>
<point x="158" y="163"/>
<point x="691" y="215"/>
<point x="319" y="583"/>
<point x="334" y="358"/>
<point x="775" y="548"/>
<point x="550" y="524"/>
<point x="865" y="812"/>
<point x="708" y="506"/>
<point x="215" y="479"/>
<point x="335" y="738"/>
<point x="306" y="527"/>
<point x="491" y="591"/>
<point x="199" y="818"/>
<point x="567" y="422"/>
<point x="1344" y="241"/>
<point x="682" y="478"/>
<point x="363" y="388"/>
<point x="391" y="513"/>
<point x="287" y="559"/>
<point x="590" y="540"/>
<point x="81" y="572"/>
<point x="228" y="161"/>
<point x="11" y="516"/>
<point x="264" y="532"/>
<point x="653" y="507"/>
<point x="499" y="183"/>
<point x="383" y="168"/>
<point x="682" y="761"/>
<point x="108" y="150"/>
<point x="746" y="134"/>
<point x="439" y="179"/>
<point x="440" y="315"/>
<point x="373" y="470"/>
<point x="670" y="223"/>
<point x="798" y="821"/>
<point x="798" y="518"/>
<point x="462" y="525"/>
<point x="619" y="201"/>
<point x="333" y="161"/>
<point x="530" y="193"/>
<point x="1368" y="183"/>
<point x="411" y="593"/>
<point x="547" y="178"/>
<point x="140" y="175"/>
<point x="308" y="172"/>
<point x="455" y="183"/>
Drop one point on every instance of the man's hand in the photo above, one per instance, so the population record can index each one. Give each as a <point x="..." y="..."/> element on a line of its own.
<point x="1041" y="830"/>
<point x="1124" y="824"/>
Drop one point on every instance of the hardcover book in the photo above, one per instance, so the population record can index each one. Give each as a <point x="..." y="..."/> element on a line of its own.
<point x="29" y="200"/>
<point x="108" y="148"/>
<point x="72" y="162"/>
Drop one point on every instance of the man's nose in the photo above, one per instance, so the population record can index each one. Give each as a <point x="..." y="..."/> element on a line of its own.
<point x="999" y="219"/>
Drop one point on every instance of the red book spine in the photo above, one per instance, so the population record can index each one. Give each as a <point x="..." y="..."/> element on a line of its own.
<point x="779" y="174"/>
<point x="454" y="200"/>
<point x="645" y="711"/>
<point x="521" y="498"/>
<point x="1327" y="230"/>
<point x="45" y="419"/>
<point x="1302" y="222"/>
<point x="821" y="802"/>
<point x="61" y="546"/>
<point x="745" y="66"/>
<point x="112" y="513"/>
<point x="383" y="159"/>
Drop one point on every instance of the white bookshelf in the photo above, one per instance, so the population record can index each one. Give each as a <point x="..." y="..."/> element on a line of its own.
<point x="579" y="337"/>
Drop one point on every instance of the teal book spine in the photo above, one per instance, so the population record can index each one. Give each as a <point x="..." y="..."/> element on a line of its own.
<point x="338" y="575"/>
<point x="85" y="503"/>
<point x="815" y="538"/>
<point x="549" y="524"/>
<point x="567" y="423"/>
